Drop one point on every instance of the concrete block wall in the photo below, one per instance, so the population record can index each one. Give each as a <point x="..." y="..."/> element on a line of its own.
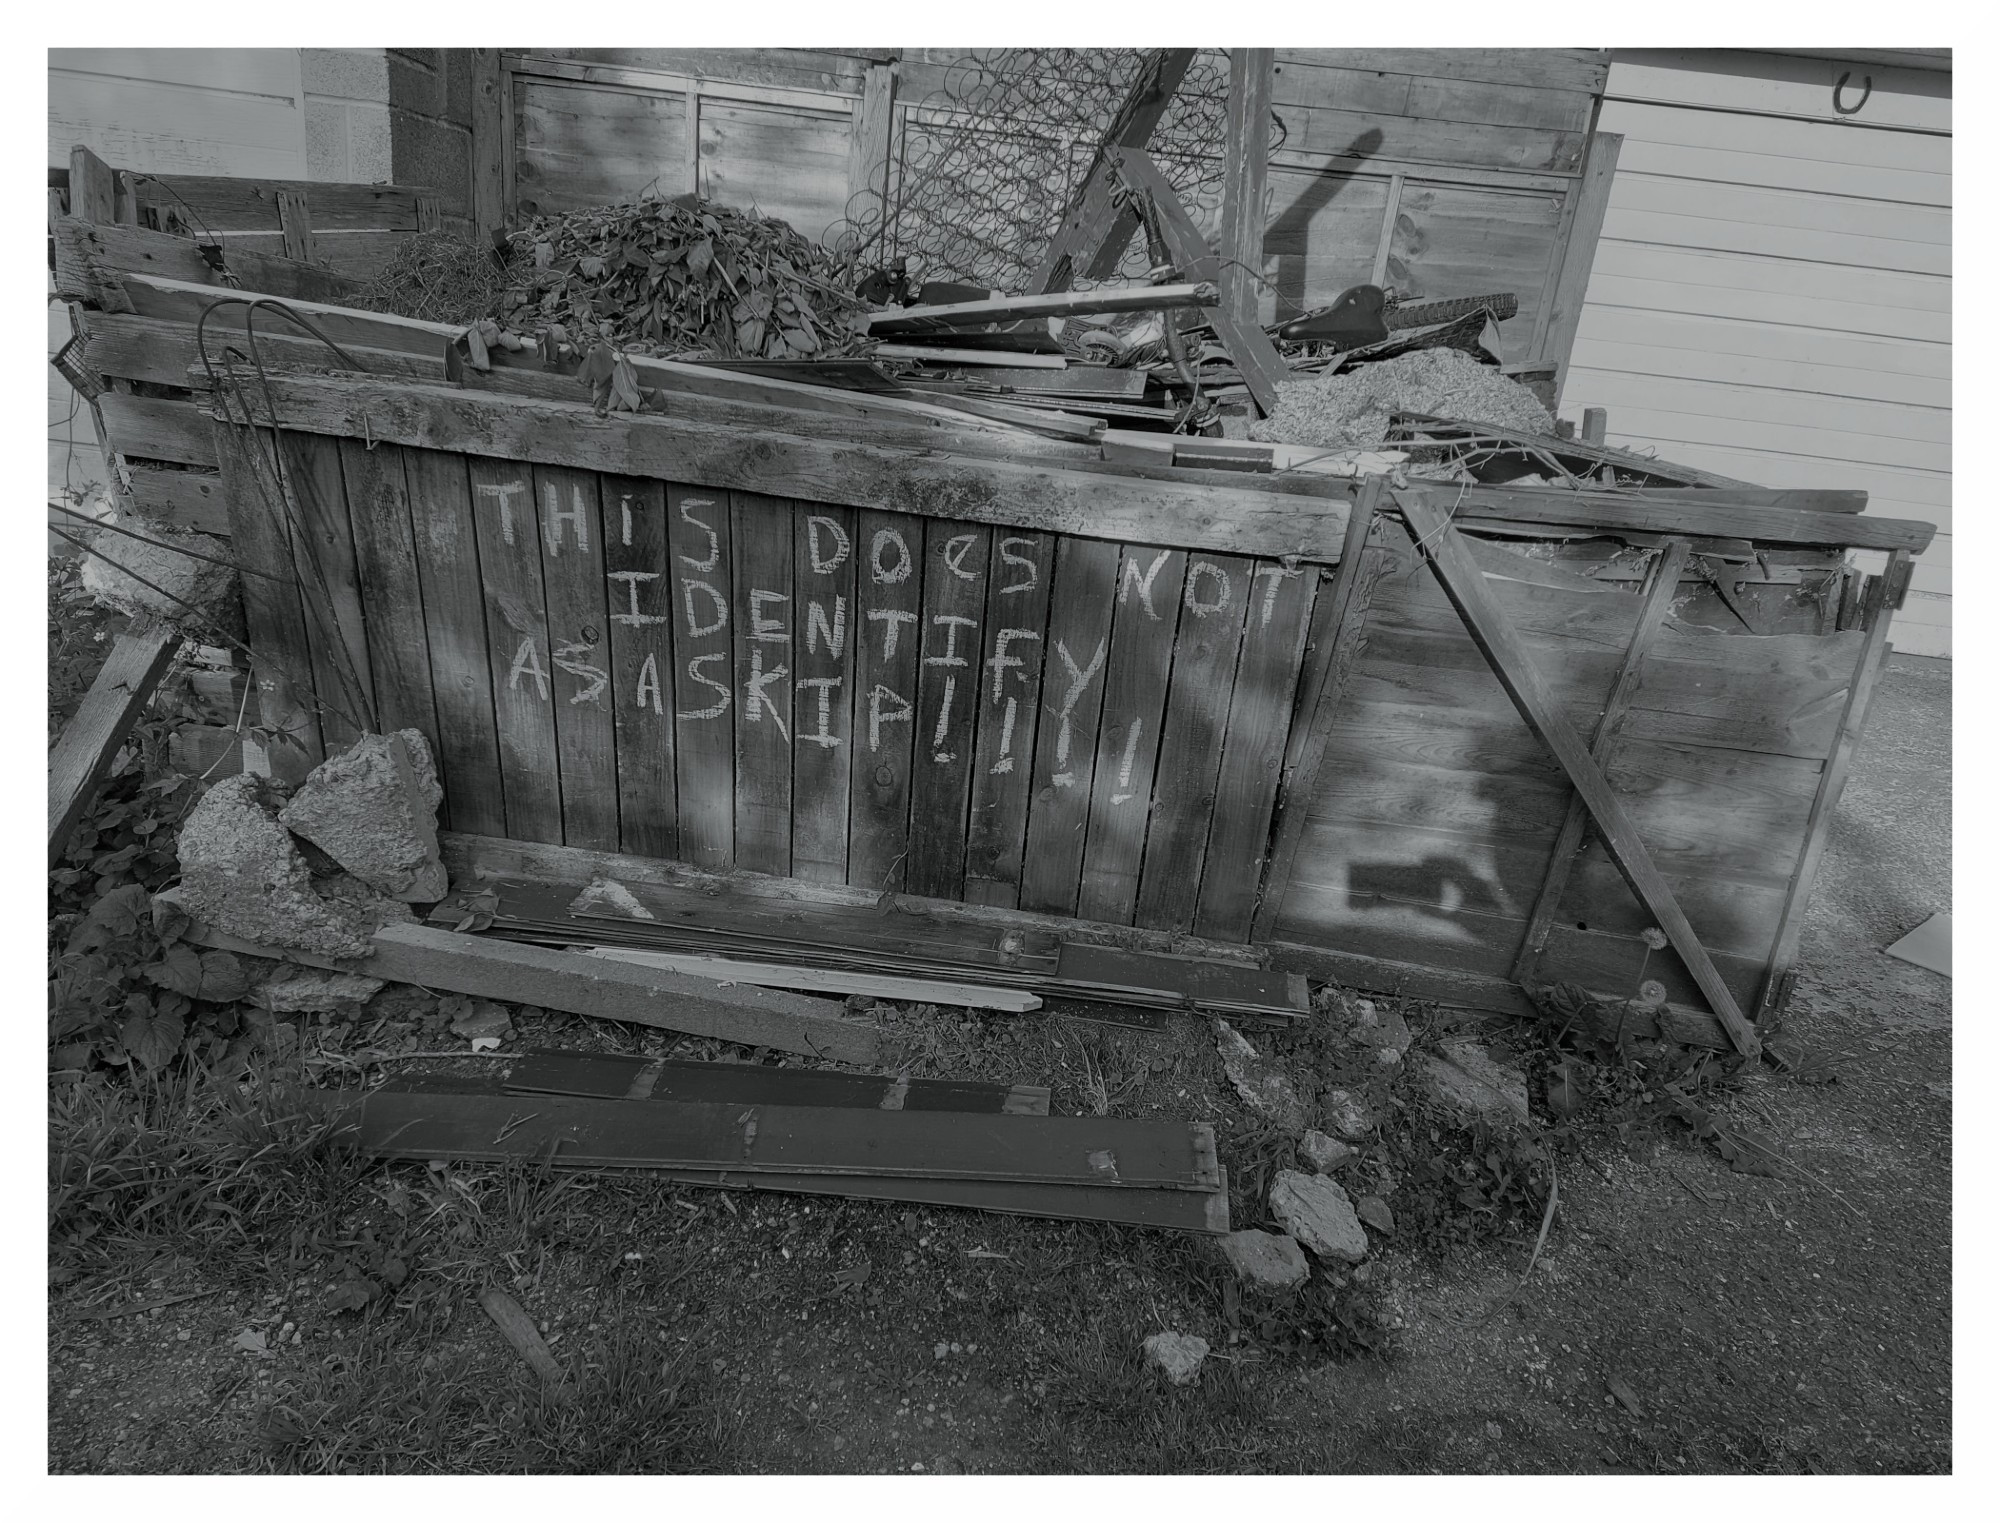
<point x="430" y="113"/>
<point x="347" y="120"/>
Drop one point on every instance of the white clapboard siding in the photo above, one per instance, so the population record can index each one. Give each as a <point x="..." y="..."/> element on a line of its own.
<point x="1771" y="296"/>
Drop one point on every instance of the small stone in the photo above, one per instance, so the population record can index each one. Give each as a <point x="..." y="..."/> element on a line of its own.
<point x="1347" y="1117"/>
<point x="1384" y="1030"/>
<point x="1260" y="1082"/>
<point x="1326" y="1153"/>
<point x="373" y="809"/>
<point x="1265" y="1260"/>
<point x="1471" y="1081"/>
<point x="1493" y="1432"/>
<point x="310" y="991"/>
<point x="485" y="1020"/>
<point x="1318" y="1213"/>
<point x="1178" y="1356"/>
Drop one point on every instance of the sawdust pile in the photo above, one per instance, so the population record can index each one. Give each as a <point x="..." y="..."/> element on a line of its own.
<point x="1352" y="409"/>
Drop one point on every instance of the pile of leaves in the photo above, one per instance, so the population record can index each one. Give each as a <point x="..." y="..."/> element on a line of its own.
<point x="679" y="278"/>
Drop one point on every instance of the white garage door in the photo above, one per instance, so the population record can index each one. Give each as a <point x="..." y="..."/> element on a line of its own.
<point x="1771" y="297"/>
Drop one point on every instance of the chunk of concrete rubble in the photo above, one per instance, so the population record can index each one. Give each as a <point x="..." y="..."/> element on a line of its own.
<point x="1265" y="1260"/>
<point x="314" y="991"/>
<point x="177" y="580"/>
<point x="1384" y="1031"/>
<point x="1472" y="1081"/>
<point x="1347" y="1115"/>
<point x="1260" y="1081"/>
<point x="243" y="875"/>
<point x="1326" y="1153"/>
<point x="373" y="809"/>
<point x="1178" y="1356"/>
<point x="484" y="1020"/>
<point x="1318" y="1213"/>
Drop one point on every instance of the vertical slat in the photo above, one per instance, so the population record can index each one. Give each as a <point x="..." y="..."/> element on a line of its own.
<point x="955" y="568"/>
<point x="274" y="620"/>
<point x="640" y="592"/>
<point x="93" y="188"/>
<point x="1079" y="642"/>
<point x="295" y="222"/>
<point x="888" y="640"/>
<point x="823" y="639"/>
<point x="1253" y="749"/>
<point x="1246" y="135"/>
<point x="1213" y="612"/>
<point x="508" y="533"/>
<point x="868" y="154"/>
<point x="574" y="594"/>
<point x="1512" y="662"/>
<point x="694" y="136"/>
<point x="1579" y="251"/>
<point x="1658" y="601"/>
<point x="335" y="624"/>
<point x="385" y="563"/>
<point x="1143" y="625"/>
<point x="1010" y="695"/>
<point x="1832" y="782"/>
<point x="1378" y="271"/>
<point x="1324" y="677"/>
<point x="760" y="538"/>
<point x="447" y="560"/>
<point x="489" y="178"/>
<point x="125" y="199"/>
<point x="430" y="215"/>
<point x="704" y="677"/>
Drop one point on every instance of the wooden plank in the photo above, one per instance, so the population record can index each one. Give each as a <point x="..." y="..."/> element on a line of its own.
<point x="1320" y="693"/>
<point x="1253" y="750"/>
<point x="1579" y="70"/>
<point x="1692" y="515"/>
<point x="943" y="354"/>
<point x="989" y="315"/>
<point x="869" y="153"/>
<point x="1659" y="597"/>
<point x="157" y="428"/>
<point x="614" y="1076"/>
<point x="1095" y="229"/>
<point x="760" y="546"/>
<point x="165" y="353"/>
<point x="295" y="222"/>
<point x="888" y="638"/>
<point x="490" y="968"/>
<point x="508" y="532"/>
<point x="698" y="534"/>
<point x="577" y="606"/>
<point x="1019" y="581"/>
<point x="227" y="204"/>
<point x="1083" y="595"/>
<point x="1378" y="271"/>
<point x="336" y="622"/>
<point x="1511" y="662"/>
<point x="1215" y="610"/>
<point x="1833" y="781"/>
<point x="826" y="616"/>
<point x="489" y="181"/>
<point x="184" y="499"/>
<point x="273" y="616"/>
<point x="93" y="188"/>
<point x="387" y="584"/>
<point x="446" y="553"/>
<point x="638" y="568"/>
<point x="90" y="741"/>
<point x="842" y="1140"/>
<point x="1151" y="584"/>
<point x="1583" y="216"/>
<point x="956" y="561"/>
<point x="1246" y="135"/>
<point x="769" y="975"/>
<point x="84" y="247"/>
<point x="1109" y="504"/>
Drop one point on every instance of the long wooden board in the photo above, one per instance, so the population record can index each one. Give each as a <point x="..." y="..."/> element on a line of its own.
<point x="90" y="741"/>
<point x="613" y="1076"/>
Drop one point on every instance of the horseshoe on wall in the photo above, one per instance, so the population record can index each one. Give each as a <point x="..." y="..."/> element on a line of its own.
<point x="1867" y="89"/>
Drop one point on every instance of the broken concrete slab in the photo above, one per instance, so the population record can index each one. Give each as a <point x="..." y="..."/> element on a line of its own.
<point x="1326" y="1153"/>
<point x="373" y="809"/>
<point x="1319" y="1214"/>
<point x="1347" y="1116"/>
<point x="243" y="875"/>
<point x="182" y="585"/>
<point x="314" y="991"/>
<point x="1479" y="1086"/>
<point x="1383" y="1031"/>
<point x="1178" y="1356"/>
<point x="1267" y="1261"/>
<point x="1260" y="1081"/>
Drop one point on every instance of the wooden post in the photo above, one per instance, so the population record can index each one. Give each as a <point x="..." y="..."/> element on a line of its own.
<point x="93" y="188"/>
<point x="1093" y="230"/>
<point x="1565" y="307"/>
<point x="869" y="150"/>
<point x="296" y="221"/>
<point x="694" y="136"/>
<point x="1867" y="672"/>
<point x="1361" y="563"/>
<point x="1245" y="138"/>
<point x="91" y="739"/>
<point x="1659" y="598"/>
<point x="489" y="178"/>
<point x="1595" y="421"/>
<point x="1378" y="272"/>
<point x="1465" y="585"/>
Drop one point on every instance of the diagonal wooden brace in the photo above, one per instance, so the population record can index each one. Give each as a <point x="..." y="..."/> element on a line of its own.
<point x="1465" y="585"/>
